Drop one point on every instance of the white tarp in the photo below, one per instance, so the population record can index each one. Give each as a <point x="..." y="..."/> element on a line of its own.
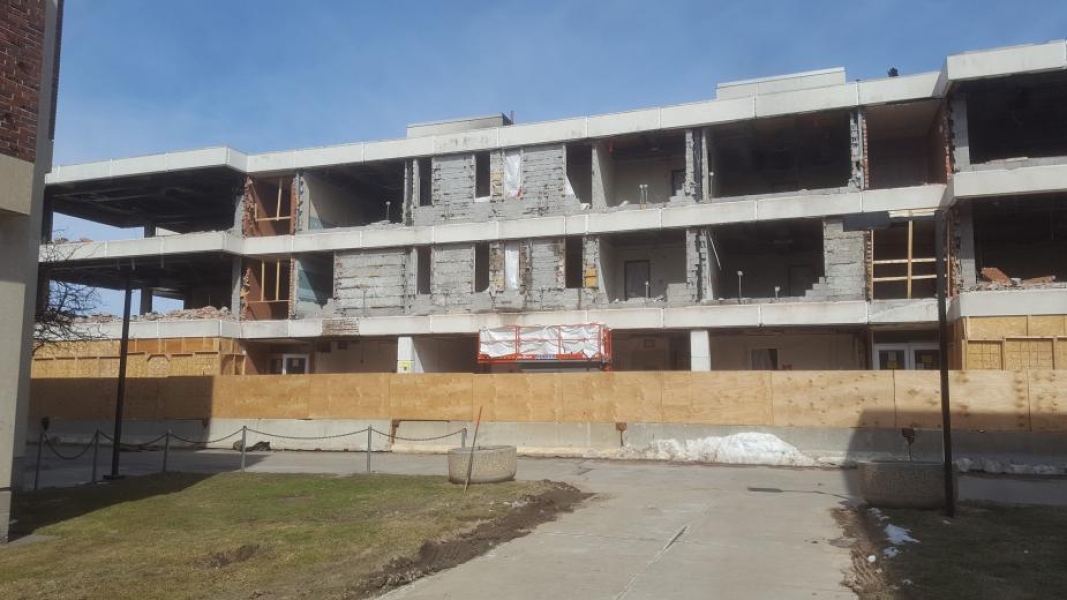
<point x="543" y="341"/>
<point x="512" y="173"/>
<point x="511" y="265"/>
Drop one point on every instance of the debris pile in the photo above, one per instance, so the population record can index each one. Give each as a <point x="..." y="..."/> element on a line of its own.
<point x="182" y="314"/>
<point x="995" y="279"/>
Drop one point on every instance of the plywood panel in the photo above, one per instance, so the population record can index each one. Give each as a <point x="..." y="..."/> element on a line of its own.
<point x="431" y="396"/>
<point x="995" y="400"/>
<point x="1048" y="400"/>
<point x="637" y="396"/>
<point x="676" y="403"/>
<point x="1046" y="325"/>
<point x="1028" y="354"/>
<point x="518" y="397"/>
<point x="730" y="398"/>
<point x="363" y="396"/>
<point x="73" y="398"/>
<point x="833" y="399"/>
<point x="985" y="355"/>
<point x="918" y="398"/>
<point x="271" y="396"/>
<point x="142" y="399"/>
<point x="995" y="328"/>
<point x="587" y="397"/>
<point x="187" y="397"/>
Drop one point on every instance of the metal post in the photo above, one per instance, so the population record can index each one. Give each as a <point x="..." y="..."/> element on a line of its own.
<point x="463" y="438"/>
<point x="120" y="396"/>
<point x="166" y="450"/>
<point x="370" y="431"/>
<point x="96" y="452"/>
<point x="942" y="321"/>
<point x="37" y="469"/>
<point x="244" y="444"/>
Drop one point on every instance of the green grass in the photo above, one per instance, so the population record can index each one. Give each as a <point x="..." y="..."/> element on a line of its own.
<point x="1006" y="553"/>
<point x="237" y="535"/>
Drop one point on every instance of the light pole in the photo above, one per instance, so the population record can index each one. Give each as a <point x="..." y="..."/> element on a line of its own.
<point x="942" y="338"/>
<point x="120" y="396"/>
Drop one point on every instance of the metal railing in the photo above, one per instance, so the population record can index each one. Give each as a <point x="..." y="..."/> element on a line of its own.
<point x="43" y="441"/>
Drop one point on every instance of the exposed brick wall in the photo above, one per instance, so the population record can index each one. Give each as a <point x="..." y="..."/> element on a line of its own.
<point x="21" y="49"/>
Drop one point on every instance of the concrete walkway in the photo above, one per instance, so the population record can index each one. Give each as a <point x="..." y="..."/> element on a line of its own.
<point x="653" y="530"/>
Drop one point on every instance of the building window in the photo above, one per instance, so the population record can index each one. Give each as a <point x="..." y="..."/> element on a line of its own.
<point x="423" y="270"/>
<point x="572" y="267"/>
<point x="923" y="356"/>
<point x="425" y="182"/>
<point x="481" y="175"/>
<point x="289" y="364"/>
<point x="481" y="267"/>
<point x="511" y="266"/>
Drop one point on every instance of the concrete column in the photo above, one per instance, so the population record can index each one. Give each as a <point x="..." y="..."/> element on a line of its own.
<point x="146" y="300"/>
<point x="603" y="176"/>
<point x="405" y="354"/>
<point x="707" y="174"/>
<point x="967" y="276"/>
<point x="858" y="150"/>
<point x="960" y="142"/>
<point x="149" y="230"/>
<point x="699" y="350"/>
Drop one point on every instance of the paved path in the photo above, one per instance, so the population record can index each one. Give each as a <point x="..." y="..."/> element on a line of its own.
<point x="653" y="530"/>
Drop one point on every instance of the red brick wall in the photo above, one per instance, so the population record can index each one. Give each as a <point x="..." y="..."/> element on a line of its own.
<point x="21" y="48"/>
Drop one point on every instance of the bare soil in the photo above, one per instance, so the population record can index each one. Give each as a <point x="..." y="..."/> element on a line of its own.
<point x="434" y="556"/>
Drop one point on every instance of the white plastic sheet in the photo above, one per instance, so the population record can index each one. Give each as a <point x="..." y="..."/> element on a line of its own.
<point x="544" y="342"/>
<point x="512" y="173"/>
<point x="511" y="265"/>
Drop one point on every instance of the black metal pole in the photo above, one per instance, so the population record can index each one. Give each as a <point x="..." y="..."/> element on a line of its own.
<point x="120" y="396"/>
<point x="942" y="337"/>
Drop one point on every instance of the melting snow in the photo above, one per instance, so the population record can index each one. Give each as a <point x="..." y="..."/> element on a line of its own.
<point x="898" y="535"/>
<point x="749" y="448"/>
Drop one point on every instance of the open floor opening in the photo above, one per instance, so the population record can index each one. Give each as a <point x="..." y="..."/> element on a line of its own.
<point x="645" y="266"/>
<point x="773" y="259"/>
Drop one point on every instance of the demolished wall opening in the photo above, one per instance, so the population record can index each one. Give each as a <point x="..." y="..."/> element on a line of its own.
<point x="782" y="154"/>
<point x="580" y="172"/>
<point x="269" y="207"/>
<point x="901" y="261"/>
<point x="572" y="267"/>
<point x="644" y="168"/>
<point x="266" y="288"/>
<point x="481" y="267"/>
<point x="481" y="175"/>
<point x="646" y="266"/>
<point x="314" y="284"/>
<point x="650" y="350"/>
<point x="423" y="270"/>
<point x="781" y="259"/>
<point x="902" y="146"/>
<point x="1021" y="240"/>
<point x="1017" y="117"/>
<point x="425" y="181"/>
<point x="353" y="195"/>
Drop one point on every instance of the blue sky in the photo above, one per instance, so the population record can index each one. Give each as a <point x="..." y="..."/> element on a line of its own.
<point x="141" y="77"/>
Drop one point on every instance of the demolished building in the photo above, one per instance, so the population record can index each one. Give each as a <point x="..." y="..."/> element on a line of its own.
<point x="785" y="224"/>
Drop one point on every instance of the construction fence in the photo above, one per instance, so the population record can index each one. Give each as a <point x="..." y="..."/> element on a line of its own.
<point x="1025" y="400"/>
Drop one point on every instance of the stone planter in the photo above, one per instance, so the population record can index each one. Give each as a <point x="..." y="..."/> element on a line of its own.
<point x="491" y="464"/>
<point x="902" y="484"/>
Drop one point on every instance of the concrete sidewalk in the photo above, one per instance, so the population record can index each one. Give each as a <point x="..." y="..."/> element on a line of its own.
<point x="653" y="530"/>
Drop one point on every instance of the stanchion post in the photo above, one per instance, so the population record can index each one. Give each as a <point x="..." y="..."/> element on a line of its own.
<point x="96" y="452"/>
<point x="463" y="438"/>
<point x="244" y="444"/>
<point x="166" y="450"/>
<point x="37" y="469"/>
<point x="370" y="432"/>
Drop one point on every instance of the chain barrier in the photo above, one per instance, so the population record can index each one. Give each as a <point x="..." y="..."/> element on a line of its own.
<point x="94" y="443"/>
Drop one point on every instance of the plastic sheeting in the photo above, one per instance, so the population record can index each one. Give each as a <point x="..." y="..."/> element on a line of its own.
<point x="512" y="173"/>
<point x="570" y="342"/>
<point x="511" y="266"/>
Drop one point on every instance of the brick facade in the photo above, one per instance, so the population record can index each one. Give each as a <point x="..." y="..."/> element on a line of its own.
<point x="21" y="49"/>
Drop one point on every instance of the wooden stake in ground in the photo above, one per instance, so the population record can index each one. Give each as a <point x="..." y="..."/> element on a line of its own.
<point x="474" y="443"/>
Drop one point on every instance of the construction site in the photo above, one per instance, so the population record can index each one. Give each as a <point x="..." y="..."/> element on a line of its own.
<point x="761" y="260"/>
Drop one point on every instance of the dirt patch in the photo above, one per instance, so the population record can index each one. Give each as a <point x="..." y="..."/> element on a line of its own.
<point x="527" y="513"/>
<point x="867" y="578"/>
<point x="218" y="560"/>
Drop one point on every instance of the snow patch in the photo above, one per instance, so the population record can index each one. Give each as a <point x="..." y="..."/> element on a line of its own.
<point x="749" y="448"/>
<point x="963" y="465"/>
<point x="899" y="536"/>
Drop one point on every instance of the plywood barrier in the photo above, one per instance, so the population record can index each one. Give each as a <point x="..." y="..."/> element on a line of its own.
<point x="989" y="400"/>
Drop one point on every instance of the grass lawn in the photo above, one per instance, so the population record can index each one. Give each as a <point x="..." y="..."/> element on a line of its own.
<point x="238" y="535"/>
<point x="999" y="552"/>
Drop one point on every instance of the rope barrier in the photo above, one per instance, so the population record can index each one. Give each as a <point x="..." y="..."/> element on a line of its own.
<point x="51" y="447"/>
<point x="204" y="442"/>
<point x="303" y="437"/>
<point x="425" y="439"/>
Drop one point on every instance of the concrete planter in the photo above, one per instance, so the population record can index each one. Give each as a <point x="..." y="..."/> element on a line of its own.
<point x="902" y="484"/>
<point x="491" y="464"/>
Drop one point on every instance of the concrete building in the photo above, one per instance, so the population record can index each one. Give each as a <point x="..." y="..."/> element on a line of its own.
<point x="29" y="56"/>
<point x="784" y="224"/>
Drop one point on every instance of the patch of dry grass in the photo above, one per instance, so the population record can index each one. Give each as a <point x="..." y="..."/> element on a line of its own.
<point x="237" y="535"/>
